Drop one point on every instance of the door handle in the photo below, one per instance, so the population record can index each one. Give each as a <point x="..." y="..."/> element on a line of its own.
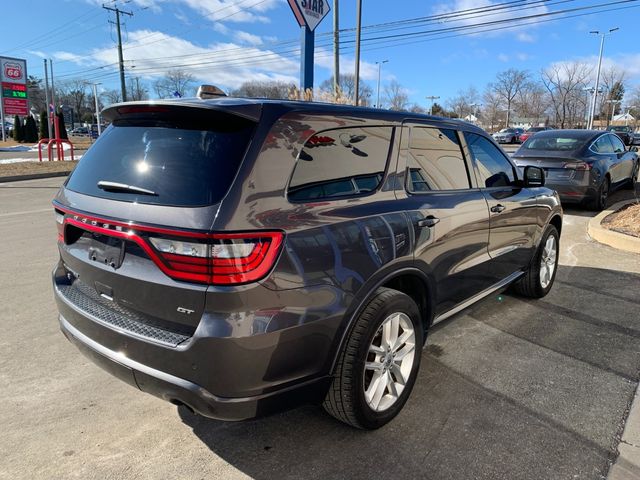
<point x="429" y="221"/>
<point x="498" y="208"/>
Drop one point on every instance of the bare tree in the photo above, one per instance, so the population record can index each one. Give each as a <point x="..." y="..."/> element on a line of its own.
<point x="565" y="83"/>
<point x="174" y="82"/>
<point x="633" y="103"/>
<point x="111" y="96"/>
<point x="137" y="90"/>
<point x="264" y="89"/>
<point x="611" y="79"/>
<point x="347" y="85"/>
<point x="508" y="85"/>
<point x="464" y="103"/>
<point x="492" y="112"/>
<point x="74" y="93"/>
<point x="532" y="102"/>
<point x="415" y="108"/>
<point x="396" y="96"/>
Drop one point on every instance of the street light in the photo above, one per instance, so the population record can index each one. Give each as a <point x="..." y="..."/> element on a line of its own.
<point x="613" y="107"/>
<point x="379" y="68"/>
<point x="475" y="107"/>
<point x="595" y="93"/>
<point x="432" y="98"/>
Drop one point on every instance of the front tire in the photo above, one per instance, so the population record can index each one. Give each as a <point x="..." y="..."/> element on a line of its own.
<point x="379" y="362"/>
<point x="538" y="279"/>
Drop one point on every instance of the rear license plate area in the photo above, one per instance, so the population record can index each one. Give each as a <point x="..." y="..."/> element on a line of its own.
<point x="107" y="250"/>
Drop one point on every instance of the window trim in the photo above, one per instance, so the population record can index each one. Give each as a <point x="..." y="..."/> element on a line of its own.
<point x="407" y="169"/>
<point x="614" y="146"/>
<point x="385" y="172"/>
<point x="594" y="142"/>
<point x="517" y="180"/>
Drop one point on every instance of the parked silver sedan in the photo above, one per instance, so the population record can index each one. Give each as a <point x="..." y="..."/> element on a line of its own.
<point x="507" y="135"/>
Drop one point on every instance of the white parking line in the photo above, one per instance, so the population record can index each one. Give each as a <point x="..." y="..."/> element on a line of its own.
<point x="26" y="212"/>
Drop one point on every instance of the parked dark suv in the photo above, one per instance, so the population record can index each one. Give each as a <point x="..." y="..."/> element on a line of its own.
<point x="243" y="256"/>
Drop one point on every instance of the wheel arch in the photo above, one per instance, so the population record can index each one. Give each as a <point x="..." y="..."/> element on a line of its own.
<point x="408" y="280"/>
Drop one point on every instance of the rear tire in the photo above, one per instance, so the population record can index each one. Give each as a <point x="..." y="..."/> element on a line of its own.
<point x="600" y="202"/>
<point x="634" y="176"/>
<point x="538" y="279"/>
<point x="376" y="371"/>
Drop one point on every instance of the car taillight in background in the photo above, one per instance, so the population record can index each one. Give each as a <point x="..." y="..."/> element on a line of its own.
<point x="210" y="258"/>
<point x="577" y="166"/>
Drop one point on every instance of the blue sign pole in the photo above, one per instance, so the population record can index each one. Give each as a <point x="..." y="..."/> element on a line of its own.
<point x="306" y="58"/>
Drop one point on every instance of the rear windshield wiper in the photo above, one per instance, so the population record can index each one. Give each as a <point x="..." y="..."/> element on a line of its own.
<point x="121" y="187"/>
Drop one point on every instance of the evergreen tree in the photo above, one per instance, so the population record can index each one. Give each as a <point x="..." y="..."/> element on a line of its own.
<point x="18" y="131"/>
<point x="61" y="125"/>
<point x="44" y="129"/>
<point x="30" y="130"/>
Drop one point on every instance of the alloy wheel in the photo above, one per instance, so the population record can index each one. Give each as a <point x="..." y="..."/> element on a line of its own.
<point x="548" y="261"/>
<point x="390" y="359"/>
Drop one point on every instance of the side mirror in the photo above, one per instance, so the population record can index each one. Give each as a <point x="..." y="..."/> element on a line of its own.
<point x="633" y="148"/>
<point x="533" y="177"/>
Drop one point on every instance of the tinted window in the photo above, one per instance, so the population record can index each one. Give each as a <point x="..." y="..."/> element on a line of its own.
<point x="603" y="145"/>
<point x="341" y="162"/>
<point x="618" y="146"/>
<point x="553" y="142"/>
<point x="495" y="170"/>
<point x="435" y="161"/>
<point x="183" y="166"/>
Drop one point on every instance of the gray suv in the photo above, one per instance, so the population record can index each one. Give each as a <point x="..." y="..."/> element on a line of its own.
<point x="241" y="257"/>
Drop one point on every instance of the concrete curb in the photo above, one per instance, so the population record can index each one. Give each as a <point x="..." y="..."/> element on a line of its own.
<point x="617" y="240"/>
<point x="627" y="465"/>
<point x="34" y="176"/>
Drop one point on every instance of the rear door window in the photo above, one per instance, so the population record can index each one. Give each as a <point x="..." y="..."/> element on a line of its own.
<point x="602" y="145"/>
<point x="435" y="161"/>
<point x="344" y="162"/>
<point x="181" y="163"/>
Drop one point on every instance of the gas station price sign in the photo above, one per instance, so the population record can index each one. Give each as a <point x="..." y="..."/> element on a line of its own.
<point x="14" y="90"/>
<point x="13" y="77"/>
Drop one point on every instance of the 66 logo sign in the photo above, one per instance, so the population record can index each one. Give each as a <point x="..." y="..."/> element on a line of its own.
<point x="13" y="70"/>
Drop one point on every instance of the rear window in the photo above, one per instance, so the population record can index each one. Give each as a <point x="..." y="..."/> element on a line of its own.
<point x="553" y="143"/>
<point x="345" y="162"/>
<point x="181" y="164"/>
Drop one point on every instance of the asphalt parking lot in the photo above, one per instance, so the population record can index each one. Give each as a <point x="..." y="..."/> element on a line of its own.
<point x="509" y="389"/>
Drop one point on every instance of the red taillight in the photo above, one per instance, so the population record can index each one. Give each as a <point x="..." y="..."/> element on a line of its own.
<point x="222" y="259"/>
<point x="211" y="258"/>
<point x="577" y="166"/>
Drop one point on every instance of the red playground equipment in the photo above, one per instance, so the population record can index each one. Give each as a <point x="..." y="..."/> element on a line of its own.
<point x="57" y="141"/>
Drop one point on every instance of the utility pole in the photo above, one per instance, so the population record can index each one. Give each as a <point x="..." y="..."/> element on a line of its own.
<point x="120" y="60"/>
<point x="378" y="94"/>
<point x="358" y="31"/>
<point x="336" y="50"/>
<point x="432" y="98"/>
<point x="595" y="92"/>
<point x="46" y="96"/>
<point x="53" y="91"/>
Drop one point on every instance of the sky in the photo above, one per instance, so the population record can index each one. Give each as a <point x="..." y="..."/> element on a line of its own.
<point x="434" y="50"/>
